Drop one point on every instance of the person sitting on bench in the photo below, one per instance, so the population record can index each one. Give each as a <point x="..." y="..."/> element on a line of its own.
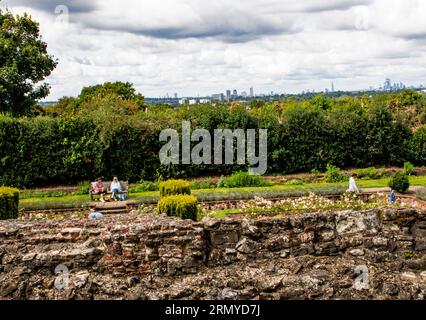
<point x="98" y="188"/>
<point x="115" y="187"/>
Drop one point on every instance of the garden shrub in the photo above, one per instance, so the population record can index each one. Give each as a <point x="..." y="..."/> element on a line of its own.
<point x="369" y="173"/>
<point x="182" y="206"/>
<point x="315" y="173"/>
<point x="9" y="202"/>
<point x="408" y="168"/>
<point x="333" y="174"/>
<point x="145" y="186"/>
<point x="241" y="179"/>
<point x="202" y="184"/>
<point x="417" y="146"/>
<point x="82" y="188"/>
<point x="175" y="187"/>
<point x="399" y="182"/>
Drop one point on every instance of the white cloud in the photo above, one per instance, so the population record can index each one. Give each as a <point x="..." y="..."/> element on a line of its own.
<point x="202" y="47"/>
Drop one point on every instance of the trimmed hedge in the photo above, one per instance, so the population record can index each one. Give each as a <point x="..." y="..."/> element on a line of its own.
<point x="174" y="187"/>
<point x="9" y="202"/>
<point x="70" y="149"/>
<point x="182" y="206"/>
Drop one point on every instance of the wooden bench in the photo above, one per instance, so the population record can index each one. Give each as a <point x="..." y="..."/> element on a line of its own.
<point x="107" y="187"/>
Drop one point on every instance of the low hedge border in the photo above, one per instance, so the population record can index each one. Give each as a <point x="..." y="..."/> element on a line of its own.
<point x="9" y="203"/>
<point x="182" y="206"/>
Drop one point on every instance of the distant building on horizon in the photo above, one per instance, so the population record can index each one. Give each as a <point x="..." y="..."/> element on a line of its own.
<point x="228" y="95"/>
<point x="218" y="97"/>
<point x="251" y="92"/>
<point x="183" y="101"/>
<point x="332" y="86"/>
<point x="387" y="85"/>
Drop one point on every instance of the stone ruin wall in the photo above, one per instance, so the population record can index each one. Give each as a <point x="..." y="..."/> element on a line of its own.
<point x="305" y="256"/>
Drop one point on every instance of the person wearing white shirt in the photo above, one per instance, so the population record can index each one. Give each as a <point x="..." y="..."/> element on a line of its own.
<point x="115" y="187"/>
<point x="352" y="185"/>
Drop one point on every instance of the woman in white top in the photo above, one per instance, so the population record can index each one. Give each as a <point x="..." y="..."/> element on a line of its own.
<point x="352" y="184"/>
<point x="115" y="187"/>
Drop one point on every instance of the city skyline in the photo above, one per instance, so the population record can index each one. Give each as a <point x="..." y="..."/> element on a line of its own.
<point x="197" y="48"/>
<point x="228" y="95"/>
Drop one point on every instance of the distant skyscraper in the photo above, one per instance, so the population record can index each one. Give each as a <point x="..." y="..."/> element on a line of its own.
<point x="251" y="92"/>
<point x="228" y="95"/>
<point x="387" y="85"/>
<point x="176" y="95"/>
<point x="332" y="86"/>
<point x="235" y="93"/>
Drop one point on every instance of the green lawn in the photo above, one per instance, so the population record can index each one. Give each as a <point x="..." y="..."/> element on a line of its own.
<point x="77" y="201"/>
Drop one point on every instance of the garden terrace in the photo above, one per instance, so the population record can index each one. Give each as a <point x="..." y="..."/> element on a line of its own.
<point x="277" y="187"/>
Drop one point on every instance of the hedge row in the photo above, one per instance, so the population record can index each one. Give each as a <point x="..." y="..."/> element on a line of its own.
<point x="40" y="151"/>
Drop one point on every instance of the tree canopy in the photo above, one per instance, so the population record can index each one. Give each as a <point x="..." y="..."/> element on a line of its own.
<point x="24" y="62"/>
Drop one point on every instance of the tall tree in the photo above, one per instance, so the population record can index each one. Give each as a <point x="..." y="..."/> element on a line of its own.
<point x="24" y="62"/>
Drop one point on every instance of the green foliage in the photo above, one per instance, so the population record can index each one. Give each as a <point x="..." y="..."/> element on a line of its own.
<point x="175" y="187"/>
<point x="410" y="98"/>
<point x="241" y="179"/>
<point x="106" y="133"/>
<point x="316" y="173"/>
<point x="399" y="182"/>
<point x="408" y="168"/>
<point x="294" y="182"/>
<point x="9" y="202"/>
<point x="46" y="194"/>
<point x="408" y="255"/>
<point x="321" y="102"/>
<point x="370" y="173"/>
<point x="182" y="206"/>
<point x="333" y="174"/>
<point x="82" y="188"/>
<point x="202" y="184"/>
<point x="24" y="62"/>
<point x="145" y="186"/>
<point x="417" y="146"/>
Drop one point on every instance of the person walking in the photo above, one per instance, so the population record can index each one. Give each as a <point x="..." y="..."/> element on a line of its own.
<point x="352" y="184"/>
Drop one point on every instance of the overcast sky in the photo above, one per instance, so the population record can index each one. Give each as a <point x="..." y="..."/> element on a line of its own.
<point x="202" y="47"/>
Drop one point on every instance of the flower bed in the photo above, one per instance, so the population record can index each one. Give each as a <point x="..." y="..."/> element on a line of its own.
<point x="311" y="203"/>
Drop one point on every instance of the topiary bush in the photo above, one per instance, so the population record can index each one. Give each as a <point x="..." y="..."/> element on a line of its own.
<point x="399" y="182"/>
<point x="9" y="201"/>
<point x="182" y="206"/>
<point x="174" y="187"/>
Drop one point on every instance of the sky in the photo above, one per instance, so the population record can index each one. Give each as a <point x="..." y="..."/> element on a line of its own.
<point x="202" y="47"/>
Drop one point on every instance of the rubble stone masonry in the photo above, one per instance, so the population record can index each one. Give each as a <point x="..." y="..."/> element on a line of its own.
<point x="303" y="256"/>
